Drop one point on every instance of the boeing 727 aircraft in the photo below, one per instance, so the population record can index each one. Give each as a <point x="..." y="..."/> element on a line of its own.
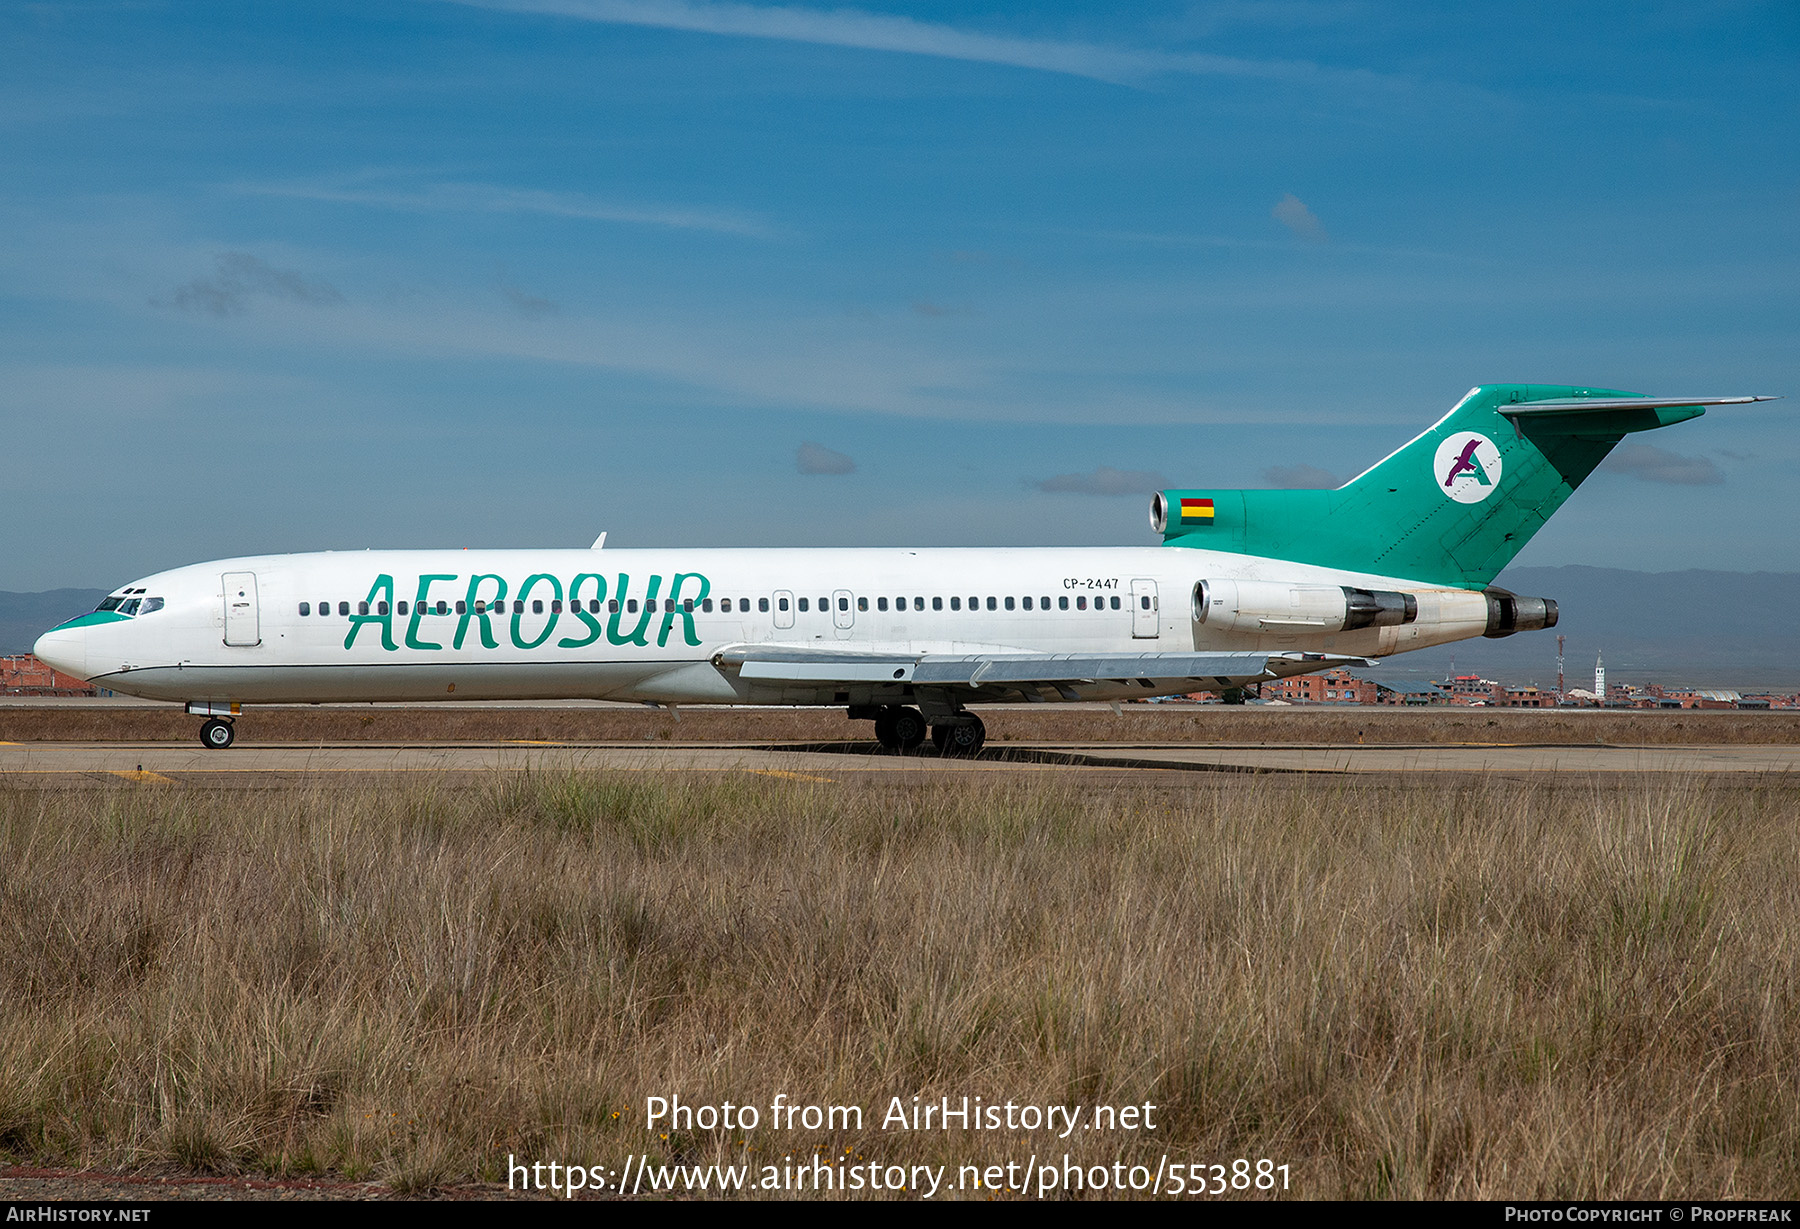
<point x="1247" y="586"/>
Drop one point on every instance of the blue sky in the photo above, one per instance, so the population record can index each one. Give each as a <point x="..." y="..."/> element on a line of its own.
<point x="294" y="277"/>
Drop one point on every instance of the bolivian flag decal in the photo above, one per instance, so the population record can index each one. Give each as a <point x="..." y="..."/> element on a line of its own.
<point x="1196" y="511"/>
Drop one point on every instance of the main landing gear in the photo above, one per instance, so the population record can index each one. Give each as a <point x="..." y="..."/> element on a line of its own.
<point x="962" y="739"/>
<point x="903" y="729"/>
<point x="899" y="729"/>
<point x="216" y="735"/>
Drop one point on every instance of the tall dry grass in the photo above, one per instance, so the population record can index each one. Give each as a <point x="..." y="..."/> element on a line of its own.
<point x="1490" y="990"/>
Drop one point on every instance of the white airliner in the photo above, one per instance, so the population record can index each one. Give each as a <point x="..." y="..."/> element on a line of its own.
<point x="1248" y="586"/>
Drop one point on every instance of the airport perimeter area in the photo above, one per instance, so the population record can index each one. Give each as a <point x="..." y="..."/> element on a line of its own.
<point x="383" y="963"/>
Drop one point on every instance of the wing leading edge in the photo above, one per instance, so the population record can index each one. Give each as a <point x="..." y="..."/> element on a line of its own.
<point x="1168" y="672"/>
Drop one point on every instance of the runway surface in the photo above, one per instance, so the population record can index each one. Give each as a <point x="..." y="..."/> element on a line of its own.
<point x="48" y="764"/>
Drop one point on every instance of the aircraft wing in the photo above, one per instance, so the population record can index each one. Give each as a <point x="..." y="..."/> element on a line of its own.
<point x="1062" y="672"/>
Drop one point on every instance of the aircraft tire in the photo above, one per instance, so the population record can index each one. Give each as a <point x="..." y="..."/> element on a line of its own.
<point x="908" y="725"/>
<point x="216" y="735"/>
<point x="884" y="728"/>
<point x="960" y="740"/>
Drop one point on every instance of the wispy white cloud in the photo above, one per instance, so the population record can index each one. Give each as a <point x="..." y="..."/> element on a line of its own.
<point x="1653" y="464"/>
<point x="486" y="198"/>
<point x="882" y="32"/>
<point x="1104" y="480"/>
<point x="811" y="458"/>
<point x="1299" y="478"/>
<point x="1292" y="213"/>
<point x="241" y="277"/>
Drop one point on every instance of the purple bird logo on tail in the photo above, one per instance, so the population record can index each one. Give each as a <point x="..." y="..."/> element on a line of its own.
<point x="1467" y="461"/>
<point x="1468" y="466"/>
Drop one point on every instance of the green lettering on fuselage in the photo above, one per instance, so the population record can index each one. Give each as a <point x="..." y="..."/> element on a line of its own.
<point x="683" y="608"/>
<point x="476" y="607"/>
<point x="418" y="611"/>
<point x="384" y="585"/>
<point x="636" y="636"/>
<point x="486" y="596"/>
<point x="519" y="609"/>
<point x="594" y="629"/>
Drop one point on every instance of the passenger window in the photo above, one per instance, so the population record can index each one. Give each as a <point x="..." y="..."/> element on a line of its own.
<point x="724" y="605"/>
<point x="1144" y="603"/>
<point x="1009" y="603"/>
<point x="612" y="605"/>
<point x="362" y="608"/>
<point x="956" y="603"/>
<point x="1028" y="603"/>
<point x="824" y="605"/>
<point x="443" y="607"/>
<point x="556" y="606"/>
<point x="881" y="603"/>
<point x="631" y="606"/>
<point x="668" y="605"/>
<point x="593" y="605"/>
<point x="974" y="603"/>
<point x="782" y="603"/>
<point x="687" y="604"/>
<point x="399" y="608"/>
<point x="1115" y="603"/>
<point x="1062" y="603"/>
<point x="462" y="607"/>
<point x="305" y="609"/>
<point x="991" y="603"/>
<point x="381" y="608"/>
<point x="518" y="606"/>
<point x="344" y="608"/>
<point x="802" y="605"/>
<point x="762" y="604"/>
<point x="705" y="605"/>
<point x="1081" y="603"/>
<point x="480" y="606"/>
<point x="937" y="603"/>
<point x="1045" y="602"/>
<point x="918" y="603"/>
<point x="862" y="603"/>
<point x="843" y="603"/>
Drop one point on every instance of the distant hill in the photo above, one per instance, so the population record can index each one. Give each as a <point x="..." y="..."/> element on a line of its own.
<point x="26" y="616"/>
<point x="1707" y="629"/>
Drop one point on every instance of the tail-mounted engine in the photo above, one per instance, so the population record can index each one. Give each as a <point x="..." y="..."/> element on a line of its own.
<point x="1267" y="606"/>
<point x="1509" y="613"/>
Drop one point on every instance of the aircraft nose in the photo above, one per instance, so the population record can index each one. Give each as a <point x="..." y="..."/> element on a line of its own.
<point x="65" y="649"/>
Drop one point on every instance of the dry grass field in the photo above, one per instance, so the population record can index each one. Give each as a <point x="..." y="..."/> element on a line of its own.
<point x="1490" y="990"/>
<point x="78" y="722"/>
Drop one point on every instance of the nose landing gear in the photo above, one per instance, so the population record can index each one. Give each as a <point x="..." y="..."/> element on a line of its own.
<point x="216" y="735"/>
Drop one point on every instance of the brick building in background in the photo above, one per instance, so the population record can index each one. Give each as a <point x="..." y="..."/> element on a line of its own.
<point x="25" y="675"/>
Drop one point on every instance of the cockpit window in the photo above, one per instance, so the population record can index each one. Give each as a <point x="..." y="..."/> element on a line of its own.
<point x="151" y="605"/>
<point x="111" y="603"/>
<point x="131" y="605"/>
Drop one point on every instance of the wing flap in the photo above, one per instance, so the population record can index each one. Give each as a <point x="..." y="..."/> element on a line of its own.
<point x="773" y="664"/>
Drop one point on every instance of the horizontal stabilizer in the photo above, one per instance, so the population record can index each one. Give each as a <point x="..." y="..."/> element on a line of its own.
<point x="1591" y="405"/>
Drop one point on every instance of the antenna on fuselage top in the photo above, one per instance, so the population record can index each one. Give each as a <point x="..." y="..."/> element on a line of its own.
<point x="599" y="541"/>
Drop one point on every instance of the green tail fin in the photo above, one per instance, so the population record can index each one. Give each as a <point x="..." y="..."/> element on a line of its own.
<point x="1453" y="506"/>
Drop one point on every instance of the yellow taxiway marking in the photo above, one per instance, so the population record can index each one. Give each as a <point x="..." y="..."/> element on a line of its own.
<point x="529" y="742"/>
<point x="144" y="775"/>
<point x="792" y="776"/>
